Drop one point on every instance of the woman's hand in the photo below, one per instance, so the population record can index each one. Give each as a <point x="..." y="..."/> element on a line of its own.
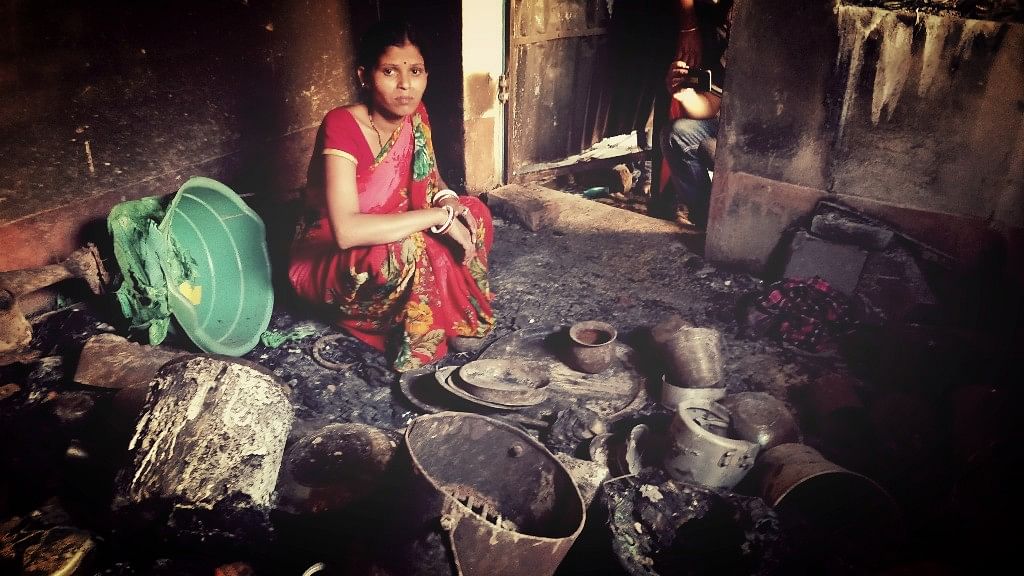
<point x="462" y="236"/>
<point x="463" y="215"/>
<point x="676" y="72"/>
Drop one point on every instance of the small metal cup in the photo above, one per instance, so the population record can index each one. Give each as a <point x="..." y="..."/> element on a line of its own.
<point x="591" y="346"/>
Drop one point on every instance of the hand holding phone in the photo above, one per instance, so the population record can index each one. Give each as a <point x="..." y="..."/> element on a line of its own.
<point x="681" y="76"/>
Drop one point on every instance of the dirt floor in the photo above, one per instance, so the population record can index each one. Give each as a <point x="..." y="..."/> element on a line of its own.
<point x="927" y="419"/>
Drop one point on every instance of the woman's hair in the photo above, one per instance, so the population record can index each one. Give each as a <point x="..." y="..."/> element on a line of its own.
<point x="385" y="33"/>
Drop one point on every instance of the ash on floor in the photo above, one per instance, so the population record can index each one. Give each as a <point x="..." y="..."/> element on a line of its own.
<point x="62" y="442"/>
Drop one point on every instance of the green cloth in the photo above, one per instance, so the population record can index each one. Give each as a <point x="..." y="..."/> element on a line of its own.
<point x="148" y="262"/>
<point x="275" y="338"/>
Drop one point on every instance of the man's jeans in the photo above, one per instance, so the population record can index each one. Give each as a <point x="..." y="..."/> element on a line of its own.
<point x="682" y="148"/>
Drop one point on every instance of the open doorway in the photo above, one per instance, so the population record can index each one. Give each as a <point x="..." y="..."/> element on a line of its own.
<point x="588" y="96"/>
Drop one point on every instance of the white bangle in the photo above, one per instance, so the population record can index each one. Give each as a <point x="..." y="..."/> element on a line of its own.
<point x="449" y="218"/>
<point x="442" y="194"/>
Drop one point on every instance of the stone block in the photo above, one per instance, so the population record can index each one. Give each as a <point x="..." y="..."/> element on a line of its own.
<point x="847" y="229"/>
<point x="749" y="215"/>
<point x="839" y="264"/>
<point x="893" y="282"/>
<point x="515" y="204"/>
<point x="571" y="213"/>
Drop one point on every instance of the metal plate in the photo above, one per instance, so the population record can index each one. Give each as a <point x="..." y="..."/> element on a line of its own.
<point x="611" y="394"/>
<point x="445" y="377"/>
<point x="506" y="381"/>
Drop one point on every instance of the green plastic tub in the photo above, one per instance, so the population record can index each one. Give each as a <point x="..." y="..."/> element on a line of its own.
<point x="221" y="296"/>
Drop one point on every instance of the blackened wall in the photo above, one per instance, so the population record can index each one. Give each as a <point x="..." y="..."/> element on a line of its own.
<point x="917" y="119"/>
<point x="109" y="100"/>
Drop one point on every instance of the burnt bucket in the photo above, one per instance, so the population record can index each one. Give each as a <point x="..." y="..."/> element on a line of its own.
<point x="505" y="504"/>
<point x="846" y="517"/>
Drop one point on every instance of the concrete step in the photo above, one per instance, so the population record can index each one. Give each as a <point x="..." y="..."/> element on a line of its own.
<point x="538" y="207"/>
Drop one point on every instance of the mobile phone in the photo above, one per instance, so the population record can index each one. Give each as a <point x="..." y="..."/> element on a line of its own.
<point x="700" y="80"/>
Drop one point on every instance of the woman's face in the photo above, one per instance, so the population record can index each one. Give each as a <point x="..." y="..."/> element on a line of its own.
<point x="396" y="85"/>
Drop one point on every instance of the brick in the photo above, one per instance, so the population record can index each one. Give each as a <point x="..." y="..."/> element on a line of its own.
<point x="532" y="213"/>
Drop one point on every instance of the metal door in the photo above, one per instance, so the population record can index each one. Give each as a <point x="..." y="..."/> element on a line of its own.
<point x="558" y="100"/>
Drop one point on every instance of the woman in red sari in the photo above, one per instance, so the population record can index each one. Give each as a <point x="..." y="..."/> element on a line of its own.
<point x="400" y="257"/>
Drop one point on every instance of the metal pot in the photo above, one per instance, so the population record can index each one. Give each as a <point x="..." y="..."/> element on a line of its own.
<point x="762" y="418"/>
<point x="699" y="450"/>
<point x="592" y="346"/>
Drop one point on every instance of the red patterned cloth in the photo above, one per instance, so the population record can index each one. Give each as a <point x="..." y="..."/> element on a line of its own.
<point x="807" y="313"/>
<point x="406" y="297"/>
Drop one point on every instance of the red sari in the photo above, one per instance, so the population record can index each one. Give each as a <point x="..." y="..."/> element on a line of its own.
<point x="406" y="297"/>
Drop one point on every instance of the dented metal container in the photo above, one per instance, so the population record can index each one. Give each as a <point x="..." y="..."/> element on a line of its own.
<point x="760" y="417"/>
<point x="505" y="504"/>
<point x="700" y="450"/>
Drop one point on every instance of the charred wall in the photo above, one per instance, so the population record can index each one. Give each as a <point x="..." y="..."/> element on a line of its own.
<point x="110" y="100"/>
<point x="916" y="118"/>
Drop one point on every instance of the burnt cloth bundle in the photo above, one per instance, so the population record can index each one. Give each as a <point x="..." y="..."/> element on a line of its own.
<point x="806" y="313"/>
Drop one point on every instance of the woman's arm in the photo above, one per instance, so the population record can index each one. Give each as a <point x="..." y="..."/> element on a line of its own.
<point x="463" y="229"/>
<point x="353" y="228"/>
<point x="696" y="105"/>
<point x="688" y="47"/>
<point x="462" y="214"/>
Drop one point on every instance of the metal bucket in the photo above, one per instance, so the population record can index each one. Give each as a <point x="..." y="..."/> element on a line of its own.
<point x="693" y="357"/>
<point x="847" y="517"/>
<point x="506" y="504"/>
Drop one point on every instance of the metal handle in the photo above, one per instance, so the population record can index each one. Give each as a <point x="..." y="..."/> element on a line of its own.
<point x="503" y="89"/>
